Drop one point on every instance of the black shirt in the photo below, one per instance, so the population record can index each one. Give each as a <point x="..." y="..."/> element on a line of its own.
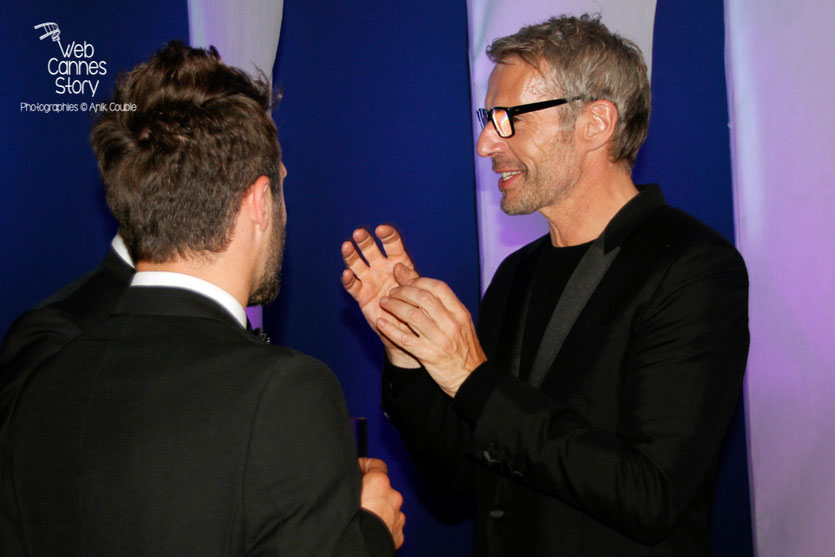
<point x="554" y="267"/>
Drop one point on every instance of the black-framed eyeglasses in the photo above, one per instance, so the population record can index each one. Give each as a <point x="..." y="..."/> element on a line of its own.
<point x="502" y="116"/>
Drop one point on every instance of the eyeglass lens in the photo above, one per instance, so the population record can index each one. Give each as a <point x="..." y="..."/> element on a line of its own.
<point x="501" y="119"/>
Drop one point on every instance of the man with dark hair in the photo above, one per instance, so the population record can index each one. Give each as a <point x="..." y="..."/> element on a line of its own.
<point x="588" y="407"/>
<point x="169" y="429"/>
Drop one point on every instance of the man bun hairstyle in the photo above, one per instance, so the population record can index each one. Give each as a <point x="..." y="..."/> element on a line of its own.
<point x="580" y="57"/>
<point x="176" y="168"/>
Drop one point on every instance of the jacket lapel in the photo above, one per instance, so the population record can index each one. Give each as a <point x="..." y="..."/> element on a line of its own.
<point x="516" y="309"/>
<point x="117" y="267"/>
<point x="585" y="279"/>
<point x="578" y="290"/>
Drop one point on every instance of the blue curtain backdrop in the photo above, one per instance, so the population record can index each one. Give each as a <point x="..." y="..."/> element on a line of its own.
<point x="54" y="224"/>
<point x="688" y="154"/>
<point x="375" y="125"/>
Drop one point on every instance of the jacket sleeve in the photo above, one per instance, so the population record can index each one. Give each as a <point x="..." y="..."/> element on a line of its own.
<point x="433" y="432"/>
<point x="432" y="428"/>
<point x="303" y="482"/>
<point x="680" y="382"/>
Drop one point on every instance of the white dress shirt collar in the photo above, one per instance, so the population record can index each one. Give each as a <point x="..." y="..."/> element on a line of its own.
<point x="194" y="284"/>
<point x="118" y="245"/>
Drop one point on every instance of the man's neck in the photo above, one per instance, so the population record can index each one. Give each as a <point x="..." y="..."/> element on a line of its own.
<point x="583" y="215"/>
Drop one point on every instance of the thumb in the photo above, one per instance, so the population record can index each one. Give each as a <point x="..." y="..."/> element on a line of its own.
<point x="403" y="274"/>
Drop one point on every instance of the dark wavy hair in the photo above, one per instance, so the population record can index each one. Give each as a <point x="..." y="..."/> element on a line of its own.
<point x="177" y="167"/>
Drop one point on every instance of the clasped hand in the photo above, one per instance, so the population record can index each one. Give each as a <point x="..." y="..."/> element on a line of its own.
<point x="419" y="319"/>
<point x="377" y="496"/>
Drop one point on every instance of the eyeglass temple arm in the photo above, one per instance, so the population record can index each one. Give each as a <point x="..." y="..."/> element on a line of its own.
<point x="515" y="110"/>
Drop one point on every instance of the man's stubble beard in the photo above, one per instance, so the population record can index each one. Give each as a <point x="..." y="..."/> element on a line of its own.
<point x="270" y="282"/>
<point x="547" y="188"/>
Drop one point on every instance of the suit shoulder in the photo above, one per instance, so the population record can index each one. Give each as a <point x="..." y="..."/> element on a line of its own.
<point x="33" y="337"/>
<point x="673" y="225"/>
<point x="47" y="319"/>
<point x="670" y="234"/>
<point x="92" y="300"/>
<point x="284" y="364"/>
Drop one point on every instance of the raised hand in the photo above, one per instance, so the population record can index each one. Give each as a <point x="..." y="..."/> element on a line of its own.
<point x="368" y="282"/>
<point x="433" y="325"/>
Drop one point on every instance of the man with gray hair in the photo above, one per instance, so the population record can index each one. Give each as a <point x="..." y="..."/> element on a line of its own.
<point x="587" y="408"/>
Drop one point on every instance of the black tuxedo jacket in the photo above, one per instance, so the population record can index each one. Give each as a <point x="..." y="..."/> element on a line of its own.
<point x="41" y="332"/>
<point x="615" y="453"/>
<point x="168" y="429"/>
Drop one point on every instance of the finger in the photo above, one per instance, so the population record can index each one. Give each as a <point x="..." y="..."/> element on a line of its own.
<point x="450" y="301"/>
<point x="399" y="538"/>
<point x="353" y="260"/>
<point x="351" y="283"/>
<point x="403" y="339"/>
<point x="425" y="300"/>
<point x="428" y="336"/>
<point x="392" y="242"/>
<point x="367" y="246"/>
<point x="444" y="293"/>
<point x="426" y="283"/>
<point x="404" y="274"/>
<point x="440" y="289"/>
<point x="401" y="327"/>
<point x="399" y="524"/>
<point x="372" y="464"/>
<point x="398" y="324"/>
<point x="418" y="297"/>
<point x="411" y="314"/>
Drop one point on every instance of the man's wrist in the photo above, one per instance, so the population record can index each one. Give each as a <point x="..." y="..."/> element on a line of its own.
<point x="400" y="359"/>
<point x="397" y="380"/>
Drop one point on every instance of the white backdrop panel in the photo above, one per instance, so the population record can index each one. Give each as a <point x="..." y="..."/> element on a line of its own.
<point x="245" y="32"/>
<point x="781" y="75"/>
<point x="246" y="35"/>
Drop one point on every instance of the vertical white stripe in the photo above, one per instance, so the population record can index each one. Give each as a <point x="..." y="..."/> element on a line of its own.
<point x="781" y="74"/>
<point x="245" y="34"/>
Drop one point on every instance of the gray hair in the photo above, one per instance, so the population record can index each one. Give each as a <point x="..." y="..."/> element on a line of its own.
<point x="580" y="57"/>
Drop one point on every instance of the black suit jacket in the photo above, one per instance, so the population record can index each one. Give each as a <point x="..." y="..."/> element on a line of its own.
<point x="615" y="453"/>
<point x="41" y="332"/>
<point x="168" y="429"/>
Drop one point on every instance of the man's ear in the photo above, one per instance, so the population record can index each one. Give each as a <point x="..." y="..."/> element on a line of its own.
<point x="598" y="121"/>
<point x="258" y="202"/>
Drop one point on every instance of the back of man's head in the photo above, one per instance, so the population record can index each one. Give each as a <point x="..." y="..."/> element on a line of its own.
<point x="176" y="168"/>
<point x="580" y="57"/>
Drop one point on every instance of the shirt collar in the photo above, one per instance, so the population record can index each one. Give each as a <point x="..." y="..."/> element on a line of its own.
<point x="194" y="284"/>
<point x="118" y="245"/>
<point x="631" y="215"/>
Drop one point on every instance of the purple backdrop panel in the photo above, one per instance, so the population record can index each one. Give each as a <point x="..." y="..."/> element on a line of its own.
<point x="781" y="74"/>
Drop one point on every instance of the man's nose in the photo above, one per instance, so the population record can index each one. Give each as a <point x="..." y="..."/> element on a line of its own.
<point x="490" y="143"/>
